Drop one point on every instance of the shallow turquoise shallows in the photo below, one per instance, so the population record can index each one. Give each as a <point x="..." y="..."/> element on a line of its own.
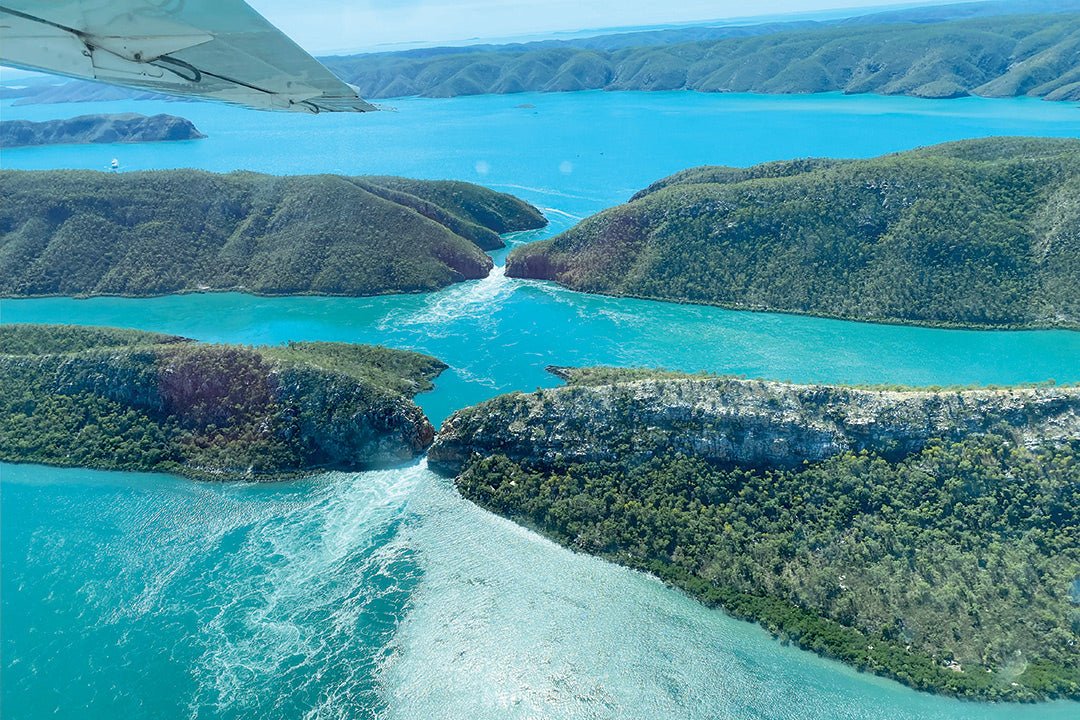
<point x="385" y="594"/>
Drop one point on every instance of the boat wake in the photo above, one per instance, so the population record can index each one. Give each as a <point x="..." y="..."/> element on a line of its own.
<point x="547" y="191"/>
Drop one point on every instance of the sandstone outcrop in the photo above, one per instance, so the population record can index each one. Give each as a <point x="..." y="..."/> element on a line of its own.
<point x="748" y="423"/>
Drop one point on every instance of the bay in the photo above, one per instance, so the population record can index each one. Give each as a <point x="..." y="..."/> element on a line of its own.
<point x="385" y="594"/>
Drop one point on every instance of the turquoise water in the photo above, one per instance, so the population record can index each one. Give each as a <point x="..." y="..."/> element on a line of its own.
<point x="385" y="594"/>
<point x="574" y="152"/>
<point x="499" y="334"/>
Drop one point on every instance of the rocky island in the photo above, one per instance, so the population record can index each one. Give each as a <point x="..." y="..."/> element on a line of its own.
<point x="924" y="535"/>
<point x="131" y="400"/>
<point x="979" y="233"/>
<point x="86" y="233"/>
<point x="116" y="128"/>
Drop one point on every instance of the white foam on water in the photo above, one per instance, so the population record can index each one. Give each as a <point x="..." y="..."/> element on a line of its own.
<point x="505" y="624"/>
<point x="562" y="213"/>
<point x="483" y="380"/>
<point x="277" y="598"/>
<point x="476" y="300"/>
<point x="385" y="595"/>
<point x="318" y="572"/>
<point x="546" y="191"/>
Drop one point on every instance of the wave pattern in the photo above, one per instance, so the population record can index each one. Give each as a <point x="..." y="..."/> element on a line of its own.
<point x="239" y="601"/>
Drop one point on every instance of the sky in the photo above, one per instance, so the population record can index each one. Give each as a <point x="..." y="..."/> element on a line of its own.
<point x="326" y="26"/>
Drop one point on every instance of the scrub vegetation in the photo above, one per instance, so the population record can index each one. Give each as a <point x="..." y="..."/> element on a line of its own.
<point x="979" y="233"/>
<point x="154" y="233"/>
<point x="1003" y="56"/>
<point x="114" y="128"/>
<point x="949" y="571"/>
<point x="948" y="561"/>
<point x="128" y="400"/>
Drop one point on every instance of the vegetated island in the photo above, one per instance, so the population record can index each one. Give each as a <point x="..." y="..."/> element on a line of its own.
<point x="154" y="233"/>
<point x="118" y="128"/>
<point x="924" y="535"/>
<point x="914" y="54"/>
<point x="980" y="234"/>
<point x="131" y="400"/>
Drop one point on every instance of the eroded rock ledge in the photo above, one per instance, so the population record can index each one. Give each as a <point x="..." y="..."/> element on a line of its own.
<point x="924" y="535"/>
<point x="608" y="416"/>
<point x="129" y="400"/>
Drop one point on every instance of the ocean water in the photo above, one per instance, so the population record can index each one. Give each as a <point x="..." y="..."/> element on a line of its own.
<point x="385" y="595"/>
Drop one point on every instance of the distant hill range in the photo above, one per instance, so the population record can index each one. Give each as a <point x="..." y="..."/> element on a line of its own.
<point x="979" y="233"/>
<point x="51" y="90"/>
<point x="1001" y="56"/>
<point x="118" y="128"/>
<point x="992" y="49"/>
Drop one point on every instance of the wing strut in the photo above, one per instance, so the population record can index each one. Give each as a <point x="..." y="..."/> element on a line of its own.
<point x="214" y="49"/>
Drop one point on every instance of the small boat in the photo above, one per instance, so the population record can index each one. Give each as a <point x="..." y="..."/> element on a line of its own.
<point x="114" y="165"/>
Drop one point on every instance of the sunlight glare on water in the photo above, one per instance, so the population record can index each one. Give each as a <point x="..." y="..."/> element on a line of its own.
<point x="505" y="624"/>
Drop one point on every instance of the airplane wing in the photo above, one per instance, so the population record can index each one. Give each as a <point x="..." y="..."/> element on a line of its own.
<point x="213" y="49"/>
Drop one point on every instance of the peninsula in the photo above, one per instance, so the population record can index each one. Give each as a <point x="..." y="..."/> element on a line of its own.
<point x="979" y="234"/>
<point x="118" y="128"/>
<point x="131" y="400"/>
<point x="924" y="535"/>
<point x="84" y="233"/>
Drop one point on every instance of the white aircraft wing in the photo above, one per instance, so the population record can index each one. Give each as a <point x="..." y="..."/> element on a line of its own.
<point x="214" y="49"/>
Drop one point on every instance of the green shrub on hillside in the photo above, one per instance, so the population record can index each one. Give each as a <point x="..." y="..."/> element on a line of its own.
<point x="950" y="570"/>
<point x="153" y="233"/>
<point x="1000" y="56"/>
<point x="128" y="400"/>
<point x="981" y="233"/>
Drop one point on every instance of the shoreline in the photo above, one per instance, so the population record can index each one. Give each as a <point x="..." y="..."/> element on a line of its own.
<point x="616" y="296"/>
<point x="670" y="576"/>
<point x="806" y="313"/>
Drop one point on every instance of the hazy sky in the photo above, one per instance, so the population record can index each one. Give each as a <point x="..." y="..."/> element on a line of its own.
<point x="330" y="25"/>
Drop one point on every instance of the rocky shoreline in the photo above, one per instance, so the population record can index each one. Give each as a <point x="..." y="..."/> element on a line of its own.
<point x="145" y="234"/>
<point x="942" y="236"/>
<point x="922" y="535"/>
<point x="735" y="422"/>
<point x="128" y="400"/>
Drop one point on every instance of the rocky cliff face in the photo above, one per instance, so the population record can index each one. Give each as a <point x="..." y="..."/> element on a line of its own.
<point x="118" y="128"/>
<point x="345" y="425"/>
<point x="211" y="411"/>
<point x="748" y="423"/>
<point x="943" y="557"/>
